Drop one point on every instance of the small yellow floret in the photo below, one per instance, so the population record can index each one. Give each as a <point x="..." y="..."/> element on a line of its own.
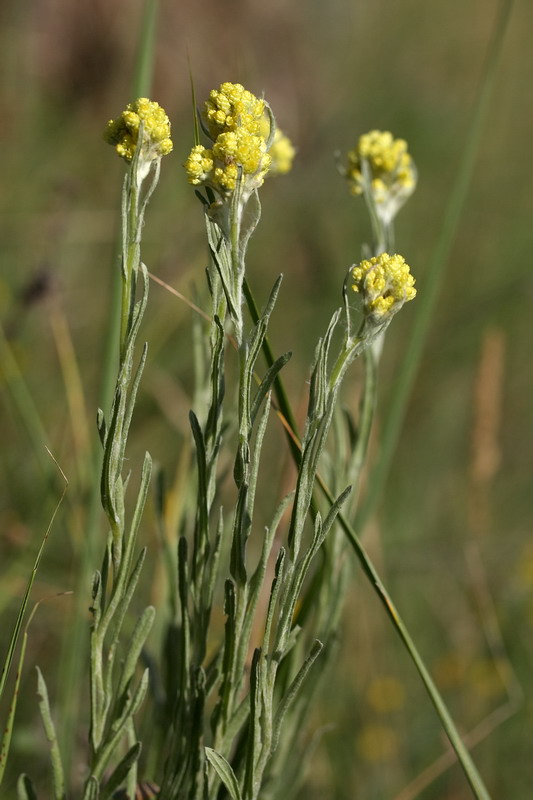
<point x="123" y="132"/>
<point x="232" y="106"/>
<point x="390" y="164"/>
<point x="385" y="284"/>
<point x="199" y="164"/>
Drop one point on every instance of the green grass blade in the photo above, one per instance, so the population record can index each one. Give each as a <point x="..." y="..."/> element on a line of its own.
<point x="24" y="782"/>
<point x="428" y="294"/>
<point x="23" y="402"/>
<point x="144" y="66"/>
<point x="474" y="778"/>
<point x="196" y="126"/>
<point x="22" y="610"/>
<point x="6" y="738"/>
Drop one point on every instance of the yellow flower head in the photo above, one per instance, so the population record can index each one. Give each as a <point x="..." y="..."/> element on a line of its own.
<point x="391" y="170"/>
<point x="123" y="132"/>
<point x="385" y="284"/>
<point x="231" y="106"/>
<point x="234" y="119"/>
<point x="238" y="124"/>
<point x="281" y="150"/>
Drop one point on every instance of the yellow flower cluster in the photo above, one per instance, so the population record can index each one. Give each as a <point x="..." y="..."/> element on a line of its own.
<point x="239" y="126"/>
<point x="385" y="284"/>
<point x="220" y="165"/>
<point x="391" y="166"/>
<point x="232" y="106"/>
<point x="233" y="116"/>
<point x="123" y="132"/>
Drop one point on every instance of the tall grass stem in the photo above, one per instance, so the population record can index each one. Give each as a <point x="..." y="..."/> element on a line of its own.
<point x="425" y="305"/>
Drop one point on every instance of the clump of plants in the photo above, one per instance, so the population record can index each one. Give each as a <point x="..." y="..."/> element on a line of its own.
<point x="226" y="712"/>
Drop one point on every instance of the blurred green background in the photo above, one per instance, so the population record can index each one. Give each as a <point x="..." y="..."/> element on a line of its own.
<point x="453" y="531"/>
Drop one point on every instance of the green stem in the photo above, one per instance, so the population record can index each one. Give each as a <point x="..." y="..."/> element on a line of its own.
<point x="236" y="265"/>
<point x="76" y="644"/>
<point x="346" y="356"/>
<point x="366" y="417"/>
<point x="131" y="236"/>
<point x="469" y="768"/>
<point x="279" y="387"/>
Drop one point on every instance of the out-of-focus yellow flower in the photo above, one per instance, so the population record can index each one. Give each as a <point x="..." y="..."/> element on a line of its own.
<point x="484" y="676"/>
<point x="450" y="670"/>
<point x="385" y="694"/>
<point x="123" y="132"/>
<point x="391" y="171"/>
<point x="385" y="283"/>
<point x="377" y="743"/>
<point x="281" y="150"/>
<point x="231" y="106"/>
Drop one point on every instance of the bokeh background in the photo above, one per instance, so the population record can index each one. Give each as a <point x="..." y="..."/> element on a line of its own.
<point x="453" y="531"/>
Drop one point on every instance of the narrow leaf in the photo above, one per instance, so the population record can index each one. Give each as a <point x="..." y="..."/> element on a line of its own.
<point x="25" y="788"/>
<point x="293" y="690"/>
<point x="120" y="773"/>
<point x="224" y="772"/>
<point x="92" y="789"/>
<point x="57" y="766"/>
<point x="267" y="382"/>
<point x="139" y="636"/>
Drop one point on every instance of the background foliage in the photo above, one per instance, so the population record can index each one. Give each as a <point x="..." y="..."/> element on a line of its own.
<point x="452" y="534"/>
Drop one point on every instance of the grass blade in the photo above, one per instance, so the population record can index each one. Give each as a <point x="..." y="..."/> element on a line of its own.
<point x="22" y="610"/>
<point x="6" y="738"/>
<point x="425" y="305"/>
<point x="144" y="66"/>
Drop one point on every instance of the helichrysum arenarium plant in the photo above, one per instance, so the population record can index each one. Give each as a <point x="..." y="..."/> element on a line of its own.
<point x="228" y="710"/>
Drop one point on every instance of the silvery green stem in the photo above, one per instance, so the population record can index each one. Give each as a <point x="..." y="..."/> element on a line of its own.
<point x="115" y="697"/>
